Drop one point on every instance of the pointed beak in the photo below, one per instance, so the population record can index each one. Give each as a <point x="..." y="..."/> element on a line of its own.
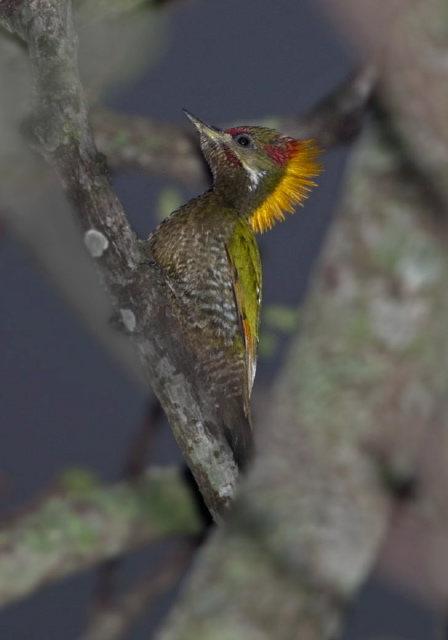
<point x="212" y="133"/>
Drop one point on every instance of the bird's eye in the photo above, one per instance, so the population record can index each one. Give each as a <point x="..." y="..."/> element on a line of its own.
<point x="243" y="140"/>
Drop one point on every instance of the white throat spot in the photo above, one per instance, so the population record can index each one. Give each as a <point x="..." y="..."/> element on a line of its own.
<point x="254" y="177"/>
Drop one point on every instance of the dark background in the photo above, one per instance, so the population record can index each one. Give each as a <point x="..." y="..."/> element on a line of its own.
<point x="63" y="401"/>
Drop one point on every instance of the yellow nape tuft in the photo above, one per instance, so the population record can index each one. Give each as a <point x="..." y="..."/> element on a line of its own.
<point x="292" y="189"/>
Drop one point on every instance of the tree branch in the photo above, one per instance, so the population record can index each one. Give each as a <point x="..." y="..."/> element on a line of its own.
<point x="59" y="129"/>
<point x="407" y="40"/>
<point x="358" y="395"/>
<point x="76" y="528"/>
<point x="143" y="144"/>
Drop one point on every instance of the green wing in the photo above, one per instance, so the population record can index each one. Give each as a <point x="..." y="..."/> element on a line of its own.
<point x="245" y="264"/>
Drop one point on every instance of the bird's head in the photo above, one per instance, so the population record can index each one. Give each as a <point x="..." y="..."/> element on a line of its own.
<point x="258" y="170"/>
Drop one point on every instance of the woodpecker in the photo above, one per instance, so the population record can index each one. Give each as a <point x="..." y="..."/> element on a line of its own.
<point x="209" y="256"/>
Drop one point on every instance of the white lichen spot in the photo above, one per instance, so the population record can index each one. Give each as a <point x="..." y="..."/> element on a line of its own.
<point x="397" y="323"/>
<point x="96" y="242"/>
<point x="129" y="320"/>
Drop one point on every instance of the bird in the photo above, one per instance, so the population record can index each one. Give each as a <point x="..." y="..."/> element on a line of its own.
<point x="208" y="254"/>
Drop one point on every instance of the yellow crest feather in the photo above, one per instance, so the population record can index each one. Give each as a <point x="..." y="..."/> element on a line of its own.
<point x="292" y="189"/>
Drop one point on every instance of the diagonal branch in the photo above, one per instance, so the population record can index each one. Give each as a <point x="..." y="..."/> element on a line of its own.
<point x="74" y="529"/>
<point x="366" y="375"/>
<point x="143" y="144"/>
<point x="338" y="118"/>
<point x="60" y="131"/>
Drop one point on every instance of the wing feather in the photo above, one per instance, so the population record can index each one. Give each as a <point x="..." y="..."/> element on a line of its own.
<point x="245" y="267"/>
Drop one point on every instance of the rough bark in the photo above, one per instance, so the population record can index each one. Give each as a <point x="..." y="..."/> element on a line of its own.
<point x="59" y="129"/>
<point x="83" y="523"/>
<point x="348" y="415"/>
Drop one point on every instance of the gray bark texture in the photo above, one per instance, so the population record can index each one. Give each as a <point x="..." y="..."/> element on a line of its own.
<point x="81" y="523"/>
<point x="59" y="129"/>
<point x="346" y="419"/>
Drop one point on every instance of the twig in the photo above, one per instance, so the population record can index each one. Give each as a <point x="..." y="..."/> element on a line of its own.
<point x="134" y="469"/>
<point x="339" y="117"/>
<point x="113" y="621"/>
<point x="73" y="530"/>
